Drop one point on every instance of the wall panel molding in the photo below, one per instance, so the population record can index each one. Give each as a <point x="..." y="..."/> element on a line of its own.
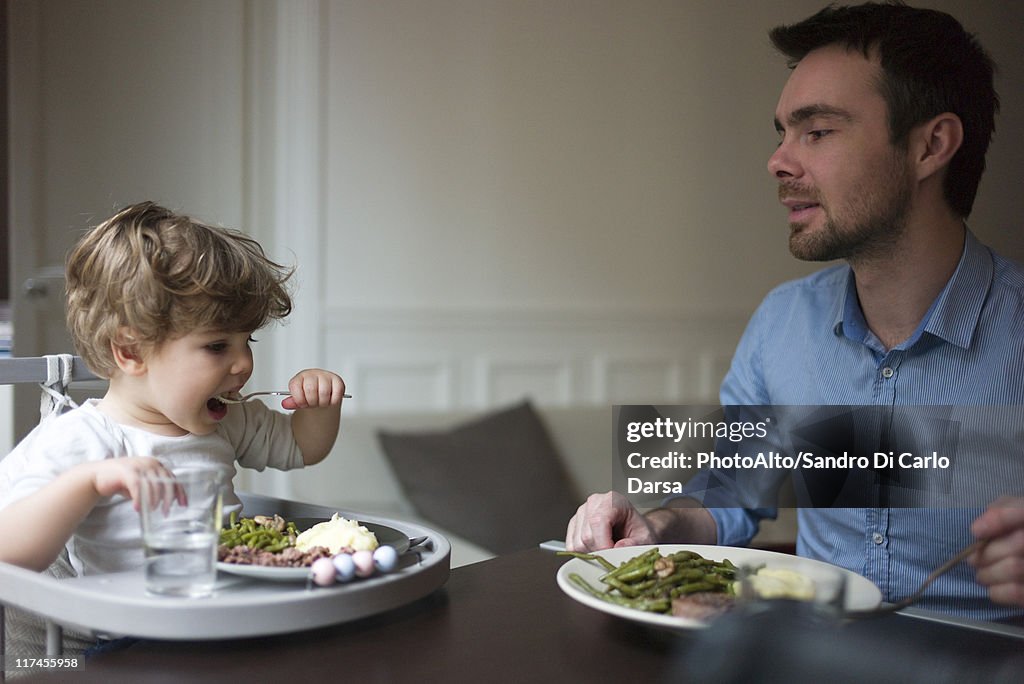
<point x="468" y="359"/>
<point x="505" y="379"/>
<point x="401" y="383"/>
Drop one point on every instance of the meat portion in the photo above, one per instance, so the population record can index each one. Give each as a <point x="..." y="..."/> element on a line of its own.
<point x="289" y="558"/>
<point x="702" y="605"/>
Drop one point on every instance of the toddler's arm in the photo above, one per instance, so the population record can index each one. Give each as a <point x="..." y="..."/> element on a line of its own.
<point x="33" y="530"/>
<point x="316" y="398"/>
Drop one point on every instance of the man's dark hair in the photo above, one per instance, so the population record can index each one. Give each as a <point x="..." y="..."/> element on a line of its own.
<point x="930" y="65"/>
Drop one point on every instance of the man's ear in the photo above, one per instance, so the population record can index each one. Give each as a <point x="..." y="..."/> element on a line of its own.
<point x="935" y="142"/>
<point x="128" y="352"/>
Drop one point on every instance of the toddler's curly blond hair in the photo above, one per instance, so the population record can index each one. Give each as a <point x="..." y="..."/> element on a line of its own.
<point x="156" y="275"/>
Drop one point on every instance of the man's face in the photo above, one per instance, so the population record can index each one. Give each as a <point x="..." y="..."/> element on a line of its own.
<point x="847" y="189"/>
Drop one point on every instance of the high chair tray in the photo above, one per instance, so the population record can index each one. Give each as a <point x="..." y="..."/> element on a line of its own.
<point x="117" y="603"/>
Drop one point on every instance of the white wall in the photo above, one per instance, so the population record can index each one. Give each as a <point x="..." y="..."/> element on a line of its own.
<point x="112" y="102"/>
<point x="610" y="155"/>
<point x="549" y="154"/>
<point x="485" y="198"/>
<point x="492" y="166"/>
<point x="130" y="100"/>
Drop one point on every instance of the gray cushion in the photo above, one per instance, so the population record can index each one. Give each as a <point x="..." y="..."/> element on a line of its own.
<point x="496" y="481"/>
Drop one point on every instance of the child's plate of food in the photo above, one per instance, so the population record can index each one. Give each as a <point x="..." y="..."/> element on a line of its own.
<point x="684" y="586"/>
<point x="275" y="549"/>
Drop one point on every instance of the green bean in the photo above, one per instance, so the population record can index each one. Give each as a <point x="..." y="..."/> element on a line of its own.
<point x="624" y="588"/>
<point x="646" y="558"/>
<point x="649" y="581"/>
<point x="681" y="575"/>
<point x="692" y="587"/>
<point x="648" y="605"/>
<point x="257" y="535"/>
<point x="604" y="562"/>
<point x="724" y="571"/>
<point x="633" y="574"/>
<point x="682" y="556"/>
<point x="717" y="580"/>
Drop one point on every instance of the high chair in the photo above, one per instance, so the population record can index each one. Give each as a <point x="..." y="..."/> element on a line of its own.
<point x="54" y="375"/>
<point x="116" y="604"/>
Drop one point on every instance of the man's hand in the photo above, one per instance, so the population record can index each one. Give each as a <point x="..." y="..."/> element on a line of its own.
<point x="1000" y="562"/>
<point x="606" y="520"/>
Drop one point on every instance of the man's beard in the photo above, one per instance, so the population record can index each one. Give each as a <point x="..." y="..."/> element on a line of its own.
<point x="871" y="228"/>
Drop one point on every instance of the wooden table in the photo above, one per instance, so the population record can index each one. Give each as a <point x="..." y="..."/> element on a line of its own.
<point x="506" y="620"/>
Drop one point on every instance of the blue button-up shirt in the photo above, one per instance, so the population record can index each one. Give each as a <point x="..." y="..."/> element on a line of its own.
<point x="808" y="344"/>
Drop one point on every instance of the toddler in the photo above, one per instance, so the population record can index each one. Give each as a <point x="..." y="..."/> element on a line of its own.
<point x="164" y="307"/>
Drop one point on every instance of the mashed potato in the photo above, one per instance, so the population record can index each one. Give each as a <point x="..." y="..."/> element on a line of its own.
<point x="336" y="534"/>
<point x="778" y="583"/>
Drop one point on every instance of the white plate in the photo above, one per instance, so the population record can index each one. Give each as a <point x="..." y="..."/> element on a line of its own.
<point x="263" y="572"/>
<point x="386" y="536"/>
<point x="861" y="593"/>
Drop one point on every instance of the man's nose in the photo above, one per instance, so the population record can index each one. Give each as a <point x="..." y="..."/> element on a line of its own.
<point x="782" y="163"/>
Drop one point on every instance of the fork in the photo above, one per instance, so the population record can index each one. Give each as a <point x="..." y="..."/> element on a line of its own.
<point x="246" y="397"/>
<point x="909" y="600"/>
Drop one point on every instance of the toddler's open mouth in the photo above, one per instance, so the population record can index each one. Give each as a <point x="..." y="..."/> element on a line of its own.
<point x="217" y="408"/>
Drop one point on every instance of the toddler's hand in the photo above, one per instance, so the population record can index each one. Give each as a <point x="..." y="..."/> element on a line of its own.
<point x="314" y="388"/>
<point x="124" y="475"/>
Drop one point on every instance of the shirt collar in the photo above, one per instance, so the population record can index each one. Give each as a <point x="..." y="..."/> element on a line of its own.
<point x="958" y="307"/>
<point x="952" y="317"/>
<point x="849" y="319"/>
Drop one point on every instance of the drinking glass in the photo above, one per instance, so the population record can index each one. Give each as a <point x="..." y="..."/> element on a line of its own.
<point x="181" y="518"/>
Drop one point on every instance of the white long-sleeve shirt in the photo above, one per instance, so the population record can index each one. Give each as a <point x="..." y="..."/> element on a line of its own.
<point x="109" y="538"/>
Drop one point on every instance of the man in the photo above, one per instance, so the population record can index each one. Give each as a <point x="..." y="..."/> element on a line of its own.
<point x="884" y="123"/>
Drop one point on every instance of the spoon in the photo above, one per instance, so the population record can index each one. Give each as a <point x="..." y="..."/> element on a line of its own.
<point x="246" y="397"/>
<point x="416" y="541"/>
<point x="936" y="573"/>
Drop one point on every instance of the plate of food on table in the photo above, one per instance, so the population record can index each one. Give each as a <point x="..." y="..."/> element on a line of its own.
<point x="688" y="585"/>
<point x="322" y="550"/>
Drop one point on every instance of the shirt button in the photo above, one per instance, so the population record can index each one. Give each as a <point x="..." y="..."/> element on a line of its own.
<point x="877" y="538"/>
<point x="887" y="372"/>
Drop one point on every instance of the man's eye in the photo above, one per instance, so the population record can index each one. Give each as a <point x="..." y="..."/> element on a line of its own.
<point x="818" y="134"/>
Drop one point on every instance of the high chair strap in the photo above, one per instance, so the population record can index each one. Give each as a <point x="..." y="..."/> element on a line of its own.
<point x="55" y="399"/>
